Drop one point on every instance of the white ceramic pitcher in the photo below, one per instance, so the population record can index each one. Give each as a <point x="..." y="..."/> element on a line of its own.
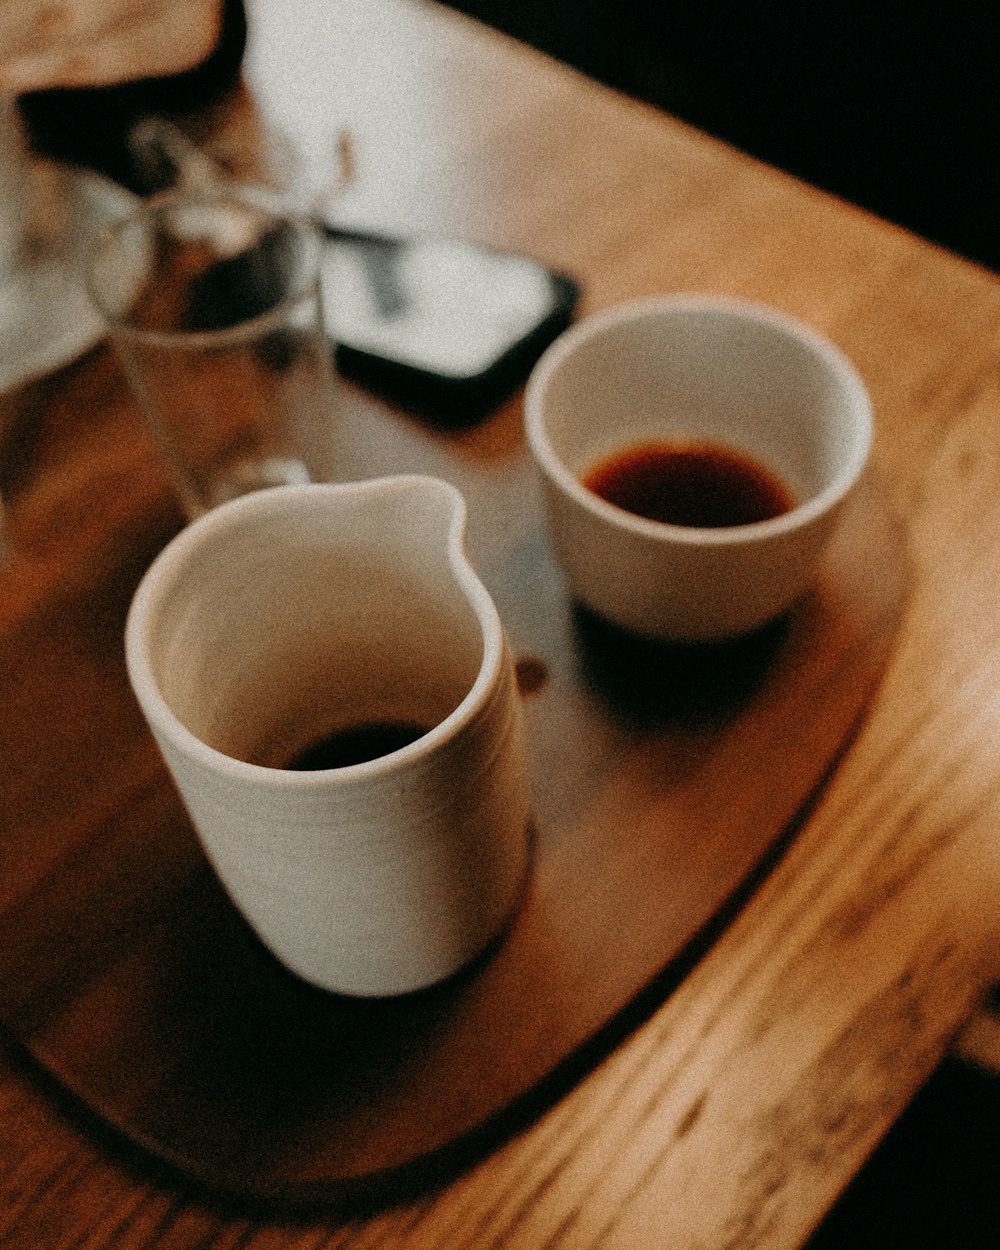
<point x="290" y="615"/>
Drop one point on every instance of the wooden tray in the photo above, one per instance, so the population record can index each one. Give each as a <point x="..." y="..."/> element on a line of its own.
<point x="666" y="780"/>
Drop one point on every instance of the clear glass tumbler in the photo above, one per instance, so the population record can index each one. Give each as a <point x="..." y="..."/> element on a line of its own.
<point x="214" y="305"/>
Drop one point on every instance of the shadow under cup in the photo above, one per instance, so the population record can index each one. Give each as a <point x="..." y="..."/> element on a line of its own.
<point x="293" y="615"/>
<point x="214" y="304"/>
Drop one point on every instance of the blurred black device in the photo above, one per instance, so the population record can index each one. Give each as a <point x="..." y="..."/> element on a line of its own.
<point x="444" y="328"/>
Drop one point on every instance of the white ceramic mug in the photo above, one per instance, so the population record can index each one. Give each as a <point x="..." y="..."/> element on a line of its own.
<point x="288" y="616"/>
<point x="695" y="370"/>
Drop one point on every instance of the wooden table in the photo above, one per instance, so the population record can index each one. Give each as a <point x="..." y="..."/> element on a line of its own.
<point x="740" y="1109"/>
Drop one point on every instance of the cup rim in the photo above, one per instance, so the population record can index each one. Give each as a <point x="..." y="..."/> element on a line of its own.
<point x="681" y="304"/>
<point x="157" y="583"/>
<point x="214" y="193"/>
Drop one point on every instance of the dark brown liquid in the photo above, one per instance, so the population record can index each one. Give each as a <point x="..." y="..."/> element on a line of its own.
<point x="355" y="745"/>
<point x="532" y="674"/>
<point x="706" y="485"/>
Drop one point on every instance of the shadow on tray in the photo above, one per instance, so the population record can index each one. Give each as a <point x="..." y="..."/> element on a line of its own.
<point x="934" y="1183"/>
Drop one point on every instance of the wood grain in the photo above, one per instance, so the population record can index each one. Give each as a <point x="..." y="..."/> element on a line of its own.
<point x="734" y="1115"/>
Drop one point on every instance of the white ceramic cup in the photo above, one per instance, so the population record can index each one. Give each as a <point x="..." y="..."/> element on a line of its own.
<point x="695" y="369"/>
<point x="290" y="614"/>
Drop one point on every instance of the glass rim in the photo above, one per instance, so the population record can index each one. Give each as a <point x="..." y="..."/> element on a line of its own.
<point x="219" y="194"/>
